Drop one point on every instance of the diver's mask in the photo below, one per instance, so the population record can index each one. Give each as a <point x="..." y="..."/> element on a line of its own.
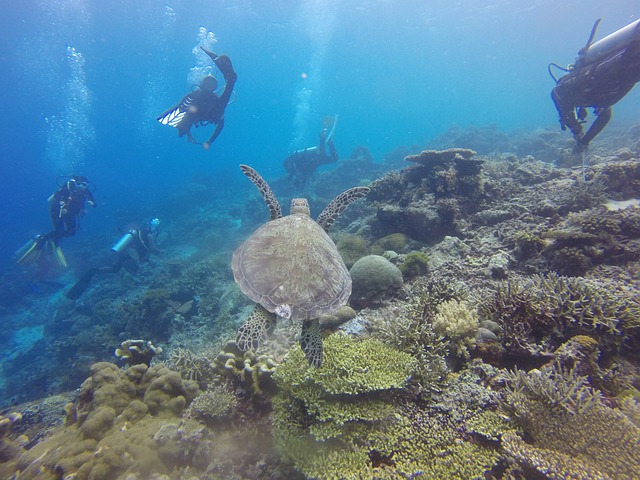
<point x="77" y="185"/>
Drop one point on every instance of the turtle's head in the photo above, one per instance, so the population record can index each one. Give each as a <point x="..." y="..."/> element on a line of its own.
<point x="300" y="205"/>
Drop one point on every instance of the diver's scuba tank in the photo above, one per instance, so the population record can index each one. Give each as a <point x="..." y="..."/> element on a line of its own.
<point x="305" y="150"/>
<point x="122" y="244"/>
<point x="597" y="51"/>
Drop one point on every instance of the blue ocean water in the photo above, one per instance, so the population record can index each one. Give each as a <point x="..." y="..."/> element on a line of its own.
<point x="83" y="82"/>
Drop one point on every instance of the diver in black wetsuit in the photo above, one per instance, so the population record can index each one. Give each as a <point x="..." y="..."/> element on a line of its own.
<point x="66" y="206"/>
<point x="301" y="164"/>
<point x="203" y="106"/>
<point x="604" y="72"/>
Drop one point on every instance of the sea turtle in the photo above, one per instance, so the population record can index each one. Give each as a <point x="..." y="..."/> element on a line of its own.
<point x="292" y="269"/>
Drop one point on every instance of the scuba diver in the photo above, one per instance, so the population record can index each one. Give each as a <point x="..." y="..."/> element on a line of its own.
<point x="135" y="245"/>
<point x="604" y="72"/>
<point x="301" y="164"/>
<point x="65" y="207"/>
<point x="203" y="106"/>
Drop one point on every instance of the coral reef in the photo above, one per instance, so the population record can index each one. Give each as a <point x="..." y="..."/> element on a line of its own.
<point x="396" y="242"/>
<point x="10" y="449"/>
<point x="327" y="419"/>
<point x="248" y="367"/>
<point x="540" y="313"/>
<point x="573" y="435"/>
<point x="213" y="404"/>
<point x="128" y="422"/>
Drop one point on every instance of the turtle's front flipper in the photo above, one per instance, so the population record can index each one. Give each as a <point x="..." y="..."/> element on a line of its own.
<point x="338" y="205"/>
<point x="265" y="190"/>
<point x="311" y="342"/>
<point x="255" y="329"/>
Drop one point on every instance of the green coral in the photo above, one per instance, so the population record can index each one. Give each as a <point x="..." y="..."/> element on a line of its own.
<point x="570" y="429"/>
<point x="415" y="264"/>
<point x="326" y="419"/>
<point x="349" y="367"/>
<point x="337" y="424"/>
<point x="408" y="327"/>
<point x="396" y="242"/>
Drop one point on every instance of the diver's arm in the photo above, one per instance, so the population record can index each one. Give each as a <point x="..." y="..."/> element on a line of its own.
<point x="91" y="200"/>
<point x="603" y="115"/>
<point x="216" y="132"/>
<point x="567" y="114"/>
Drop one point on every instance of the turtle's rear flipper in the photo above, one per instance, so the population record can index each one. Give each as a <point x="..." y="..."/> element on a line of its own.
<point x="255" y="329"/>
<point x="311" y="342"/>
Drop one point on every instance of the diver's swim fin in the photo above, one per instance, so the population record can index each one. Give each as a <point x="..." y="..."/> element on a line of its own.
<point x="212" y="55"/>
<point x="329" y="124"/>
<point x="30" y="251"/>
<point x="57" y="252"/>
<point x="223" y="62"/>
<point x="81" y="285"/>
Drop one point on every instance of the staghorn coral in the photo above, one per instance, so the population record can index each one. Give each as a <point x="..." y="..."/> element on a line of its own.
<point x="213" y="404"/>
<point x="192" y="366"/>
<point x="407" y="326"/>
<point x="549" y="464"/>
<point x="556" y="387"/>
<point x="540" y="313"/>
<point x="573" y="435"/>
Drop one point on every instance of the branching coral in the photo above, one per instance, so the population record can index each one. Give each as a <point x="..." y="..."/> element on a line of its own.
<point x="457" y="321"/>
<point x="213" y="404"/>
<point x="540" y="313"/>
<point x="407" y="326"/>
<point x="571" y="430"/>
<point x="192" y="366"/>
<point x="554" y="386"/>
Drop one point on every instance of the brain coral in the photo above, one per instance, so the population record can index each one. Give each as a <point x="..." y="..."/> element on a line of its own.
<point x="374" y="277"/>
